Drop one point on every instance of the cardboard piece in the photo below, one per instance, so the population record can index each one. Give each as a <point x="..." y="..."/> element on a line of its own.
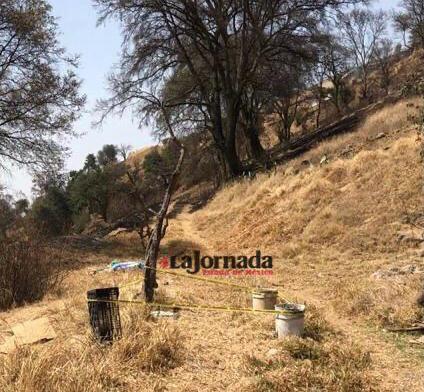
<point x="27" y="332"/>
<point x="7" y="345"/>
<point x="33" y="331"/>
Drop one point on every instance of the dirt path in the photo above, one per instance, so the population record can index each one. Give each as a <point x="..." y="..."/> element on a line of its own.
<point x="183" y="222"/>
<point x="397" y="365"/>
<point x="215" y="343"/>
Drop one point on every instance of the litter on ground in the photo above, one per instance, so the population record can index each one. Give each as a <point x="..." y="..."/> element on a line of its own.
<point x="28" y="332"/>
<point x="118" y="265"/>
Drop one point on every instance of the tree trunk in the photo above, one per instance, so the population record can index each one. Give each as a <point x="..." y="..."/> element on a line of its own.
<point x="234" y="164"/>
<point x="256" y="149"/>
<point x="319" y="103"/>
<point x="159" y="230"/>
<point x="226" y="144"/>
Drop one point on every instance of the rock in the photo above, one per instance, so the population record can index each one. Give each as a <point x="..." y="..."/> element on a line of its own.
<point x="116" y="232"/>
<point x="420" y="340"/>
<point x="415" y="236"/>
<point x="323" y="160"/>
<point x="97" y="227"/>
<point x="272" y="353"/>
<point x="164" y="313"/>
<point x="397" y="271"/>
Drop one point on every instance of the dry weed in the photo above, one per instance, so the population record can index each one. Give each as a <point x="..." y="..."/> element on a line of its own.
<point x="78" y="363"/>
<point x="387" y="303"/>
<point x="306" y="365"/>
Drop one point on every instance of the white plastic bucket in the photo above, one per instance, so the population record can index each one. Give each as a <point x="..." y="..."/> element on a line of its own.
<point x="290" y="321"/>
<point x="264" y="299"/>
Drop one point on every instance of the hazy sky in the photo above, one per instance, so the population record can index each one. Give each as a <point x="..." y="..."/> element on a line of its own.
<point x="98" y="48"/>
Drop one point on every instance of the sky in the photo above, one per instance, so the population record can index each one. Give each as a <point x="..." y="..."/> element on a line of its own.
<point x="98" y="48"/>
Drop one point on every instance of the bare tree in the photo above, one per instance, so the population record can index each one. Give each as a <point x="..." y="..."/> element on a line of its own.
<point x="284" y="87"/>
<point x="402" y="24"/>
<point x="38" y="103"/>
<point x="412" y="20"/>
<point x="124" y="150"/>
<point x="382" y="56"/>
<point x="316" y="78"/>
<point x="159" y="230"/>
<point x="223" y="45"/>
<point x="335" y="62"/>
<point x="363" y="29"/>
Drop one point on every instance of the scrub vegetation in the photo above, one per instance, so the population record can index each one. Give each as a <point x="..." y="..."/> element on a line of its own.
<point x="291" y="129"/>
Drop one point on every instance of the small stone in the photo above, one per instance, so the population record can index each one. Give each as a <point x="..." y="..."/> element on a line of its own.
<point x="323" y="160"/>
<point x="272" y="353"/>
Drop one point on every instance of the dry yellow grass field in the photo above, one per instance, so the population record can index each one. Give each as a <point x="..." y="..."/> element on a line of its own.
<point x="328" y="226"/>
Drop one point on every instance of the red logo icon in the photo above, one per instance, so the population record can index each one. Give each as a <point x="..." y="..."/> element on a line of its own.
<point x="164" y="262"/>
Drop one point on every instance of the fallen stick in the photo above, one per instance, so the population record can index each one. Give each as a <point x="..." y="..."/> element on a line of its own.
<point x="407" y="329"/>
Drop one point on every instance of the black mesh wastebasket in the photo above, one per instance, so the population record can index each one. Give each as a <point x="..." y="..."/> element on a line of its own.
<point x="104" y="316"/>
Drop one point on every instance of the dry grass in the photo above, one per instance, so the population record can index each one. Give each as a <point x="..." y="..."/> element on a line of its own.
<point x="328" y="227"/>
<point x="352" y="205"/>
<point x="390" y="120"/>
<point x="304" y="365"/>
<point x="391" y="302"/>
<point x="75" y="362"/>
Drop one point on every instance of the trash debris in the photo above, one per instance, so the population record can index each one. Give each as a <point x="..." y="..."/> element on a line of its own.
<point x="398" y="271"/>
<point x="291" y="321"/>
<point x="164" y="313"/>
<point x="33" y="331"/>
<point x="420" y="340"/>
<point x="103" y="309"/>
<point x="28" y="332"/>
<point x="117" y="265"/>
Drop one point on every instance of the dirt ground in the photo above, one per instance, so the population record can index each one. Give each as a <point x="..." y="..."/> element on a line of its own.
<point x="216" y="344"/>
<point x="330" y="229"/>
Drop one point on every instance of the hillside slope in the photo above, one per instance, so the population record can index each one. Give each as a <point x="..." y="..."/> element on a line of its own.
<point x="331" y="219"/>
<point x="349" y="195"/>
<point x="335" y="216"/>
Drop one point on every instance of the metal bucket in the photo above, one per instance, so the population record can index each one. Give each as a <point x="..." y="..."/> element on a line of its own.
<point x="105" y="320"/>
<point x="290" y="321"/>
<point x="264" y="299"/>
